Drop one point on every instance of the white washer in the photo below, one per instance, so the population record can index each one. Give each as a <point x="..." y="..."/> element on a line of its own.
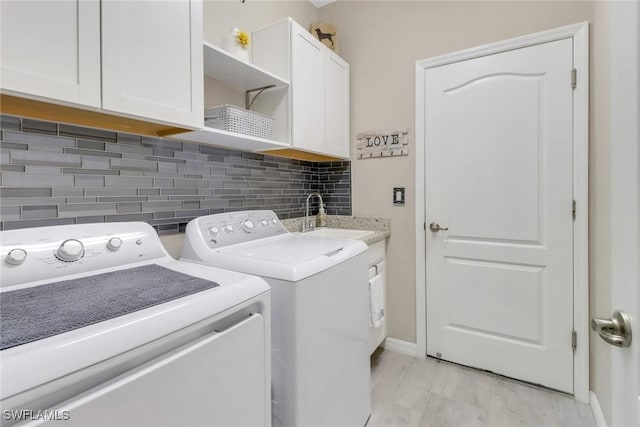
<point x="320" y="312"/>
<point x="200" y="359"/>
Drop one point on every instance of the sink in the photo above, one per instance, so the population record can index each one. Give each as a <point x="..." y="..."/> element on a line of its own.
<point x="339" y="233"/>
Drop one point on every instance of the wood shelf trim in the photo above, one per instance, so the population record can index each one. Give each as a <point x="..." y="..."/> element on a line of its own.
<point x="291" y="153"/>
<point x="16" y="106"/>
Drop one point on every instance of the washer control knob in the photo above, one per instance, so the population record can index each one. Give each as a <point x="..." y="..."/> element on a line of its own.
<point x="16" y="256"/>
<point x="70" y="250"/>
<point x="263" y="223"/>
<point x="228" y="228"/>
<point x="214" y="231"/>
<point x="114" y="243"/>
<point x="274" y="221"/>
<point x="248" y="225"/>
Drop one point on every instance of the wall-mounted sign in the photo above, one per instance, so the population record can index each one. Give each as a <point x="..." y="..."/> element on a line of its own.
<point x="383" y="144"/>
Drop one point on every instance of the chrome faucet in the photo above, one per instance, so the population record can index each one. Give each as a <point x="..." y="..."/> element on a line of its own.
<point x="307" y="224"/>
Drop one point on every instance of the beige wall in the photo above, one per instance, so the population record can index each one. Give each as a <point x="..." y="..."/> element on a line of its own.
<point x="382" y="40"/>
<point x="220" y="16"/>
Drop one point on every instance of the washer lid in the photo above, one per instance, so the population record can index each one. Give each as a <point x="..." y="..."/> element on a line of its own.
<point x="287" y="249"/>
<point x="291" y="257"/>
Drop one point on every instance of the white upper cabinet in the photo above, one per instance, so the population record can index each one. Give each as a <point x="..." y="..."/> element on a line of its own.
<point x="152" y="60"/>
<point x="51" y="49"/>
<point x="308" y="91"/>
<point x="138" y="59"/>
<point x="319" y="87"/>
<point x="336" y="106"/>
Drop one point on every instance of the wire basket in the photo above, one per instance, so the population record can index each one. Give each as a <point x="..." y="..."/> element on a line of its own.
<point x="238" y="120"/>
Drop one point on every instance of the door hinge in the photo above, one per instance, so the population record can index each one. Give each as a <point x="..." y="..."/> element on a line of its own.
<point x="574" y="78"/>
<point x="574" y="340"/>
<point x="424" y="225"/>
<point x="573" y="209"/>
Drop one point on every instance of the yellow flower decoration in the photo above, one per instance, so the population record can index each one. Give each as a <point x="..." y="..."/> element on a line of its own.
<point x="242" y="38"/>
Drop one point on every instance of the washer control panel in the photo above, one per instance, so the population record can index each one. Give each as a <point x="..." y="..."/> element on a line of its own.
<point x="33" y="254"/>
<point x="231" y="228"/>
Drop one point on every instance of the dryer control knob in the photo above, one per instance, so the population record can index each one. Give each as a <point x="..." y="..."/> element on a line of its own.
<point x="228" y="228"/>
<point x="214" y="231"/>
<point x="263" y="223"/>
<point x="274" y="221"/>
<point x="114" y="243"/>
<point x="248" y="226"/>
<point x="70" y="250"/>
<point x="16" y="256"/>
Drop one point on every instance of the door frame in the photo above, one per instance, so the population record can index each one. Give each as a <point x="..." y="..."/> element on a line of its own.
<point x="579" y="33"/>
<point x="624" y="84"/>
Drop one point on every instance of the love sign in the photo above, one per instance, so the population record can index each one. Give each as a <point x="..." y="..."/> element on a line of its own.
<point x="383" y="144"/>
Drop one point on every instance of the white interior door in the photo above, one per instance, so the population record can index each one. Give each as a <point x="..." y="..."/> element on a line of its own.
<point x="498" y="147"/>
<point x="624" y="63"/>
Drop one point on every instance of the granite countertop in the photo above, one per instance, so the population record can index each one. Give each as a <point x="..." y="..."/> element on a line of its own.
<point x="381" y="226"/>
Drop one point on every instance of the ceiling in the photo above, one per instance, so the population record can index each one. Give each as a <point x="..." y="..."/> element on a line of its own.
<point x="321" y="3"/>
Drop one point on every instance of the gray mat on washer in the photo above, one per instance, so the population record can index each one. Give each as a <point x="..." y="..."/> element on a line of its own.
<point x="39" y="312"/>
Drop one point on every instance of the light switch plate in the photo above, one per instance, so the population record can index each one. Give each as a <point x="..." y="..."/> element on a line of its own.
<point x="398" y="196"/>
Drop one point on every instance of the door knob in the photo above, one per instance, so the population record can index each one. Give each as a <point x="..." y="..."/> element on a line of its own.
<point x="435" y="227"/>
<point x="616" y="331"/>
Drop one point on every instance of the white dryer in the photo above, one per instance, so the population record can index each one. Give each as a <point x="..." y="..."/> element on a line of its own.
<point x="320" y="312"/>
<point x="100" y="326"/>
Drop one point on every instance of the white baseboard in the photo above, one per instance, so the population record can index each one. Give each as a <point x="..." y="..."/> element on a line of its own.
<point x="597" y="411"/>
<point x="399" y="346"/>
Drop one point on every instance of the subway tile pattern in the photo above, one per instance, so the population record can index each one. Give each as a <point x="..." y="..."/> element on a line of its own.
<point x="53" y="174"/>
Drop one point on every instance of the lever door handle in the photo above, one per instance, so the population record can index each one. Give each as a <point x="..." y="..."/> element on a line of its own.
<point x="616" y="331"/>
<point x="435" y="227"/>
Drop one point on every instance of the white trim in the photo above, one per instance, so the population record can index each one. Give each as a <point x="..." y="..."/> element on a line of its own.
<point x="581" y="224"/>
<point x="596" y="410"/>
<point x="566" y="32"/>
<point x="580" y="35"/>
<point x="624" y="134"/>
<point x="399" y="346"/>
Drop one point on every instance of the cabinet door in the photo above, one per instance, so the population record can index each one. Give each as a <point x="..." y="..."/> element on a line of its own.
<point x="152" y="60"/>
<point x="51" y="49"/>
<point x="220" y="380"/>
<point x="336" y="106"/>
<point x="307" y="87"/>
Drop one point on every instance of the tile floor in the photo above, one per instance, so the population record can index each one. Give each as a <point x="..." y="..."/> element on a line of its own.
<point x="415" y="392"/>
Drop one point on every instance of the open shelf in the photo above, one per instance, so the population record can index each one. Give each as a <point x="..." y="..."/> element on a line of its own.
<point x="236" y="73"/>
<point x="239" y="75"/>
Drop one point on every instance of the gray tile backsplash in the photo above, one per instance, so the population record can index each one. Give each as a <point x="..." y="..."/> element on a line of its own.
<point x="55" y="174"/>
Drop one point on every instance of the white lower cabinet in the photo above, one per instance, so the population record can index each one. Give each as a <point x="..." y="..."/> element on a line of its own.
<point x="318" y="101"/>
<point x="139" y="59"/>
<point x="377" y="295"/>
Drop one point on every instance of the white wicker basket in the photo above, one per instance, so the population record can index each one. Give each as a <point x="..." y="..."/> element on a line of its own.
<point x="238" y="120"/>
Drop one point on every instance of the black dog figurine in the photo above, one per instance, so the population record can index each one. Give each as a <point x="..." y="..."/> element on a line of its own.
<point x="327" y="36"/>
